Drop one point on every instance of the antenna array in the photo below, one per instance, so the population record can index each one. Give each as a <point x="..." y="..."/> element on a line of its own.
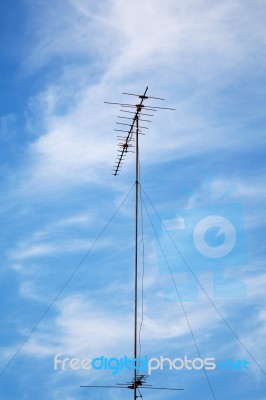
<point x="124" y="146"/>
<point x="126" y="141"/>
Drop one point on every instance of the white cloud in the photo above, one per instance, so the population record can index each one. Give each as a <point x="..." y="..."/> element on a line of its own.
<point x="76" y="220"/>
<point x="32" y="250"/>
<point x="48" y="240"/>
<point x="92" y="327"/>
<point x="163" y="45"/>
<point x="189" y="52"/>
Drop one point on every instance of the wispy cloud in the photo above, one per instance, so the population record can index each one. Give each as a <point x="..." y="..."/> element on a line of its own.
<point x="77" y="146"/>
<point x="207" y="59"/>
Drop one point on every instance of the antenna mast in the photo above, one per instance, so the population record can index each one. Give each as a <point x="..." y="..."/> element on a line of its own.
<point x="136" y="252"/>
<point x="125" y="146"/>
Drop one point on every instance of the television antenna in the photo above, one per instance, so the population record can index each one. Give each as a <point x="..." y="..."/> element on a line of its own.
<point x="126" y="142"/>
<point x="133" y="114"/>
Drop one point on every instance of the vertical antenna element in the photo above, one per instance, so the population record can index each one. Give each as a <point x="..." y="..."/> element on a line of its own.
<point x="124" y="147"/>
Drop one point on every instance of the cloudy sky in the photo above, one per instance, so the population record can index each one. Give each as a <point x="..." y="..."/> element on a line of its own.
<point x="202" y="168"/>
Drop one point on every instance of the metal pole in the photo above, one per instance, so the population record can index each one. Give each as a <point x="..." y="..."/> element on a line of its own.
<point x="136" y="255"/>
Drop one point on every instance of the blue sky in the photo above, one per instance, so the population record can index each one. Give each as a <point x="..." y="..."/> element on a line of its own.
<point x="59" y="62"/>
